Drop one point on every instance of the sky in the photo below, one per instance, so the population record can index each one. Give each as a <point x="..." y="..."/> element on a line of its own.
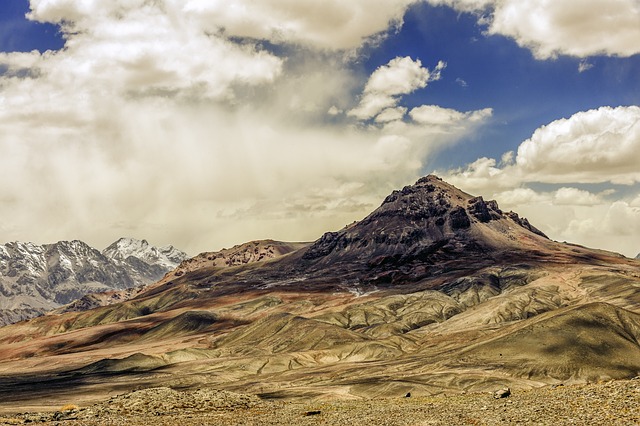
<point x="205" y="123"/>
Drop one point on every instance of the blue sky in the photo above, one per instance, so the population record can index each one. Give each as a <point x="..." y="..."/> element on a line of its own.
<point x="203" y="125"/>
<point x="500" y="74"/>
<point x="18" y="34"/>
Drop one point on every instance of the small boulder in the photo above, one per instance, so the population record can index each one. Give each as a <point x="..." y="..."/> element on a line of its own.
<point x="502" y="393"/>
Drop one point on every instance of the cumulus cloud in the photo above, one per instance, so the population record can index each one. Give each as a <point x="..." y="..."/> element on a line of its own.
<point x="325" y="24"/>
<point x="599" y="146"/>
<point x="591" y="146"/>
<point x="579" y="28"/>
<point x="389" y="82"/>
<point x="316" y="23"/>
<point x="575" y="197"/>
<point x="622" y="219"/>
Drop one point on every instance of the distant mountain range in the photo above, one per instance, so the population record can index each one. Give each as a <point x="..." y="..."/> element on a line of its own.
<point x="38" y="278"/>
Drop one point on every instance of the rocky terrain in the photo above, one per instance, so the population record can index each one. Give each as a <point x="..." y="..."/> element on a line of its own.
<point x="38" y="278"/>
<point x="242" y="254"/>
<point x="254" y="251"/>
<point x="435" y="292"/>
<point x="609" y="403"/>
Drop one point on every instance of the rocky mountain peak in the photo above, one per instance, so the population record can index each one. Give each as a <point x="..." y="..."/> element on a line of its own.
<point x="422" y="219"/>
<point x="126" y="248"/>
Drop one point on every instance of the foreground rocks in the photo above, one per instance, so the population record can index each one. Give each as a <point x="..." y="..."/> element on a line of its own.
<point x="611" y="403"/>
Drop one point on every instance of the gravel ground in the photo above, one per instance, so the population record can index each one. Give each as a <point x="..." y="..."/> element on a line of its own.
<point x="611" y="403"/>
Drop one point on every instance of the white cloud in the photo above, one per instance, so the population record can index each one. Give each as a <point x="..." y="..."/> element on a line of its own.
<point x="600" y="145"/>
<point x="154" y="122"/>
<point x="434" y="115"/>
<point x="592" y="146"/>
<point x="334" y="110"/>
<point x="326" y="24"/>
<point x="389" y="82"/>
<point x="136" y="50"/>
<point x="520" y="196"/>
<point x="480" y="177"/>
<point x="578" y="28"/>
<point x="623" y="219"/>
<point x="575" y="197"/>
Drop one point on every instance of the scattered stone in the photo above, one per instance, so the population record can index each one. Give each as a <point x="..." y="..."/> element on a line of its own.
<point x="502" y="393"/>
<point x="408" y="395"/>
<point x="611" y="403"/>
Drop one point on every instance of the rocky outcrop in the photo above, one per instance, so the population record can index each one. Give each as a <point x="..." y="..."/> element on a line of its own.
<point x="241" y="254"/>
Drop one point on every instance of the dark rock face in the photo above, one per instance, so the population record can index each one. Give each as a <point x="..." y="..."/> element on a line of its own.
<point x="525" y="223"/>
<point x="484" y="211"/>
<point x="459" y="219"/>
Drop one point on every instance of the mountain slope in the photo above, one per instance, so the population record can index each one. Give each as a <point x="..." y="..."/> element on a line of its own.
<point x="242" y="254"/>
<point x="435" y="291"/>
<point x="37" y="278"/>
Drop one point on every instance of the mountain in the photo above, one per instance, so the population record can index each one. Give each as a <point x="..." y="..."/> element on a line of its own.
<point x="242" y="254"/>
<point x="638" y="256"/>
<point x="38" y="278"/>
<point x="424" y="230"/>
<point x="129" y="250"/>
<point x="435" y="291"/>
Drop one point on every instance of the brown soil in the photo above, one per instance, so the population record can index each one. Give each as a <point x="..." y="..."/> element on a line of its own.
<point x="610" y="403"/>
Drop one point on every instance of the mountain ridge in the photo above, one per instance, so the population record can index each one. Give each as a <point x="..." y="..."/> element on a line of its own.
<point x="38" y="278"/>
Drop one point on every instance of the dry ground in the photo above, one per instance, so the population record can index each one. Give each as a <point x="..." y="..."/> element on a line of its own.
<point x="610" y="403"/>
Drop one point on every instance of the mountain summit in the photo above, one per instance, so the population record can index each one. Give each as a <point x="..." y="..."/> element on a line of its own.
<point x="167" y="256"/>
<point x="426" y="228"/>
<point x="425" y="216"/>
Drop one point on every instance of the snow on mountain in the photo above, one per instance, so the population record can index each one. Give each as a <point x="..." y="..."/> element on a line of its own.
<point x="124" y="248"/>
<point x="38" y="278"/>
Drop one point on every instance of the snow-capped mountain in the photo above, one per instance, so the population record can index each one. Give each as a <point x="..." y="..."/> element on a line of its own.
<point x="37" y="278"/>
<point x="125" y="248"/>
